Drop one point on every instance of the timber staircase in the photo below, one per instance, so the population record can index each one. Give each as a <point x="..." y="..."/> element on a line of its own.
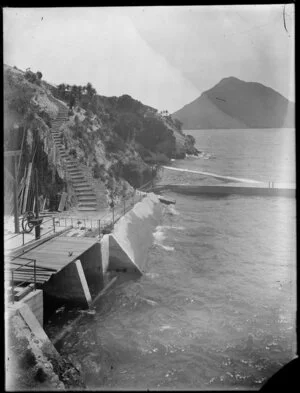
<point x="85" y="194"/>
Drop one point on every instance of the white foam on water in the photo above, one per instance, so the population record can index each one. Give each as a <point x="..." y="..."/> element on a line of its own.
<point x="151" y="302"/>
<point x="167" y="248"/>
<point x="165" y="327"/>
<point x="159" y="237"/>
<point x="173" y="227"/>
<point x="172" y="210"/>
<point x="151" y="275"/>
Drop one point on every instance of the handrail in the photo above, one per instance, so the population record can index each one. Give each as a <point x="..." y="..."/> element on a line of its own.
<point x="34" y="226"/>
<point x="121" y="209"/>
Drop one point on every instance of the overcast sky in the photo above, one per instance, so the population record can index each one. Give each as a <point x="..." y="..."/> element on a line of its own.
<point x="163" y="56"/>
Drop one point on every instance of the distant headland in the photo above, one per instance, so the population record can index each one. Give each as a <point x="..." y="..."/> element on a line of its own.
<point x="233" y="103"/>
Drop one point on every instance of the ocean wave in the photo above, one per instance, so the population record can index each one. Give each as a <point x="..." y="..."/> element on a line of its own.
<point x="171" y="227"/>
<point x="151" y="275"/>
<point x="159" y="237"/>
<point x="171" y="210"/>
<point x="167" y="248"/>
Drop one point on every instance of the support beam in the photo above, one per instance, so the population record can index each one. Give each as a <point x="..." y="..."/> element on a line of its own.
<point x="83" y="281"/>
<point x="119" y="258"/>
<point x="27" y="187"/>
<point x="70" y="285"/>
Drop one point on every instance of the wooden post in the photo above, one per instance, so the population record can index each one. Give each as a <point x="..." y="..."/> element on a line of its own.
<point x="16" y="215"/>
<point x="27" y="187"/>
<point x="37" y="227"/>
<point x="36" y="194"/>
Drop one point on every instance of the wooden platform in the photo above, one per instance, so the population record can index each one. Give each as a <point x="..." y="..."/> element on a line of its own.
<point x="51" y="257"/>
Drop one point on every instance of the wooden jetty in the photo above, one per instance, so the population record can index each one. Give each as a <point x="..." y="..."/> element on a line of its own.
<point x="50" y="257"/>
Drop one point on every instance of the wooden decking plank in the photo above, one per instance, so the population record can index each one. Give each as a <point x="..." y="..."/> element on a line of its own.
<point x="51" y="257"/>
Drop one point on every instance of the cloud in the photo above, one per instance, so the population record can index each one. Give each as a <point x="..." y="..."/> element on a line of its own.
<point x="106" y="51"/>
<point x="163" y="56"/>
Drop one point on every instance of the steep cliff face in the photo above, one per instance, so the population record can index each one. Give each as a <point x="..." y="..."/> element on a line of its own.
<point x="27" y="120"/>
<point x="233" y="103"/>
<point x="116" y="141"/>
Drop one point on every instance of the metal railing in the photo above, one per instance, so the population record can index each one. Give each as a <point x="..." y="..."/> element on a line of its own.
<point x="18" y="269"/>
<point x="106" y="220"/>
<point x="23" y="233"/>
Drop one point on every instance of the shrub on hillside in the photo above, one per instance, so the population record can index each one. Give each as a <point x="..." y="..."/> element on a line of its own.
<point x="115" y="143"/>
<point x="157" y="158"/>
<point x="99" y="171"/>
<point x="133" y="174"/>
<point x="155" y="133"/>
<point x="73" y="153"/>
<point x="127" y="125"/>
<point x="33" y="77"/>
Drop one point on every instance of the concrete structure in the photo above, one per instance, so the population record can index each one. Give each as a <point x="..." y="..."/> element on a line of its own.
<point x="77" y="269"/>
<point x="80" y="280"/>
<point x="262" y="189"/>
<point x="70" y="284"/>
<point x="127" y="247"/>
<point x="210" y="174"/>
<point x="34" y="301"/>
<point x="23" y="326"/>
<point x="120" y="259"/>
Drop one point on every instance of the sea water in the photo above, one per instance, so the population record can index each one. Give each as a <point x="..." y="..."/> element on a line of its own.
<point x="216" y="308"/>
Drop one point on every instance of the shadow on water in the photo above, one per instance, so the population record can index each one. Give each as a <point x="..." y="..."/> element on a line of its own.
<point x="59" y="314"/>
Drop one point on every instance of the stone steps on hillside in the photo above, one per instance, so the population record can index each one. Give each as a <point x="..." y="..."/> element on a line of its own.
<point x="85" y="193"/>
<point x="86" y="209"/>
<point x="87" y="203"/>
<point x="83" y="184"/>
<point x="71" y="161"/>
<point x="76" y="176"/>
<point x="86" y="187"/>
<point x="73" y="171"/>
<point x="87" y="198"/>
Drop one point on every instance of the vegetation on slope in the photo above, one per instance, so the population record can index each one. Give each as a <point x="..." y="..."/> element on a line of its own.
<point x="134" y="136"/>
<point x="119" y="140"/>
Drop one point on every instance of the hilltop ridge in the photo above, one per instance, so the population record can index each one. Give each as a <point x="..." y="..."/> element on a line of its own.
<point x="233" y="103"/>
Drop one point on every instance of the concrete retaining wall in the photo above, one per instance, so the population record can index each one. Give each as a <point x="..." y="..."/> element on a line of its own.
<point x="26" y="334"/>
<point x="80" y="280"/>
<point x="35" y="302"/>
<point x="69" y="284"/>
<point x="228" y="190"/>
<point x="92" y="267"/>
<point x="133" y="235"/>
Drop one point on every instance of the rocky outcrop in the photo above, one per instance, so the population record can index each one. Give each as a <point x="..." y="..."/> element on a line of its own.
<point x="32" y="362"/>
